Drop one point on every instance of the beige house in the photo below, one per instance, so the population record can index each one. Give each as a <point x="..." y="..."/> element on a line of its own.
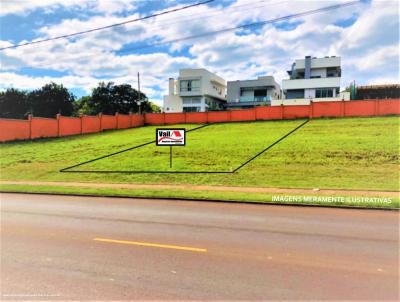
<point x="195" y="90"/>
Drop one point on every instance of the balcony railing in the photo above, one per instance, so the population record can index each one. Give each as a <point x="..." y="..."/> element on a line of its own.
<point x="311" y="83"/>
<point x="255" y="99"/>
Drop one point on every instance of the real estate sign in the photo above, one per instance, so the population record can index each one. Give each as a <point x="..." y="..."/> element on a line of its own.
<point x="170" y="137"/>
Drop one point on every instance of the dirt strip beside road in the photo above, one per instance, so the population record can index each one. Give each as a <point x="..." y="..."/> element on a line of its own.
<point x="206" y="188"/>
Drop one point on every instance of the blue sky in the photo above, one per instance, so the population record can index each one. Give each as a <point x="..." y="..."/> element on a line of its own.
<point x="366" y="36"/>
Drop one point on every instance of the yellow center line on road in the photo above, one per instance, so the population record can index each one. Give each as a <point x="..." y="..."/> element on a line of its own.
<point x="164" y="246"/>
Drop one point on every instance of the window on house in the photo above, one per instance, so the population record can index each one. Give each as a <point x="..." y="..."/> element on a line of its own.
<point x="242" y="92"/>
<point x="213" y="104"/>
<point x="260" y="95"/>
<point x="260" y="92"/>
<point x="218" y="89"/>
<point x="295" y="94"/>
<point x="189" y="85"/>
<point x="324" y="92"/>
<point x="189" y="101"/>
<point x="191" y="109"/>
<point x="332" y="72"/>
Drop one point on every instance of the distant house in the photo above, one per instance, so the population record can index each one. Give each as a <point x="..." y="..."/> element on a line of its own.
<point x="251" y="93"/>
<point x="389" y="91"/>
<point x="195" y="90"/>
<point x="316" y="79"/>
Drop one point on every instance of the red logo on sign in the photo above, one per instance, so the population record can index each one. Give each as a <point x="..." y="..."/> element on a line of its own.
<point x="177" y="134"/>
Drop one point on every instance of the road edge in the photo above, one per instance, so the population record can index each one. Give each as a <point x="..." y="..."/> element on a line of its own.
<point x="208" y="200"/>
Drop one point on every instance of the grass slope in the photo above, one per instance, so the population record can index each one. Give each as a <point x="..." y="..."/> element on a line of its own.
<point x="217" y="147"/>
<point x="352" y="153"/>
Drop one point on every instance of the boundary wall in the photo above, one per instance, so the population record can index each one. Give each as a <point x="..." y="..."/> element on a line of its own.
<point x="37" y="127"/>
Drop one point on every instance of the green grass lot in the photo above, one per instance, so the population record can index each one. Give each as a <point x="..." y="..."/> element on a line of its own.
<point x="350" y="153"/>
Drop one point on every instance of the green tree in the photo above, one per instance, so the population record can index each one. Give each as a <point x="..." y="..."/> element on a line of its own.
<point x="13" y="104"/>
<point x="50" y="100"/>
<point x="82" y="106"/>
<point x="154" y="108"/>
<point x="108" y="98"/>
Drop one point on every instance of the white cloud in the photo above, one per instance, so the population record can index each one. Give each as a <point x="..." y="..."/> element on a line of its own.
<point x="377" y="26"/>
<point x="9" y="79"/>
<point x="110" y="7"/>
<point x="376" y="61"/>
<point x="24" y="7"/>
<point x="369" y="47"/>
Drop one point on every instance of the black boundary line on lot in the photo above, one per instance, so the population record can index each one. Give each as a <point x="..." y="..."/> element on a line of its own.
<point x="142" y="172"/>
<point x="67" y="170"/>
<point x="118" y="152"/>
<point x="270" y="146"/>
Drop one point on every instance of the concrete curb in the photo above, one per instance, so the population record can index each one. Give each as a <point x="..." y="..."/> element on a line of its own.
<point x="211" y="200"/>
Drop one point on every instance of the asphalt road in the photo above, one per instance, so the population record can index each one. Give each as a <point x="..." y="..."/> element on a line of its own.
<point x="56" y="247"/>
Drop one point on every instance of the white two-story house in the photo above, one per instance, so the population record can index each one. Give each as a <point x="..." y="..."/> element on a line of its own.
<point x="316" y="79"/>
<point x="195" y="90"/>
<point x="251" y="93"/>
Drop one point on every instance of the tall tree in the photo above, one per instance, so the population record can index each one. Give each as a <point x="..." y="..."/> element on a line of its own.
<point x="50" y="100"/>
<point x="152" y="108"/>
<point x="82" y="106"/>
<point x="108" y="98"/>
<point x="13" y="104"/>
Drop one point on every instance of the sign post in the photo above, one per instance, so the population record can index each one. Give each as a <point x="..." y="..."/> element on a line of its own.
<point x="170" y="137"/>
<point x="170" y="156"/>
